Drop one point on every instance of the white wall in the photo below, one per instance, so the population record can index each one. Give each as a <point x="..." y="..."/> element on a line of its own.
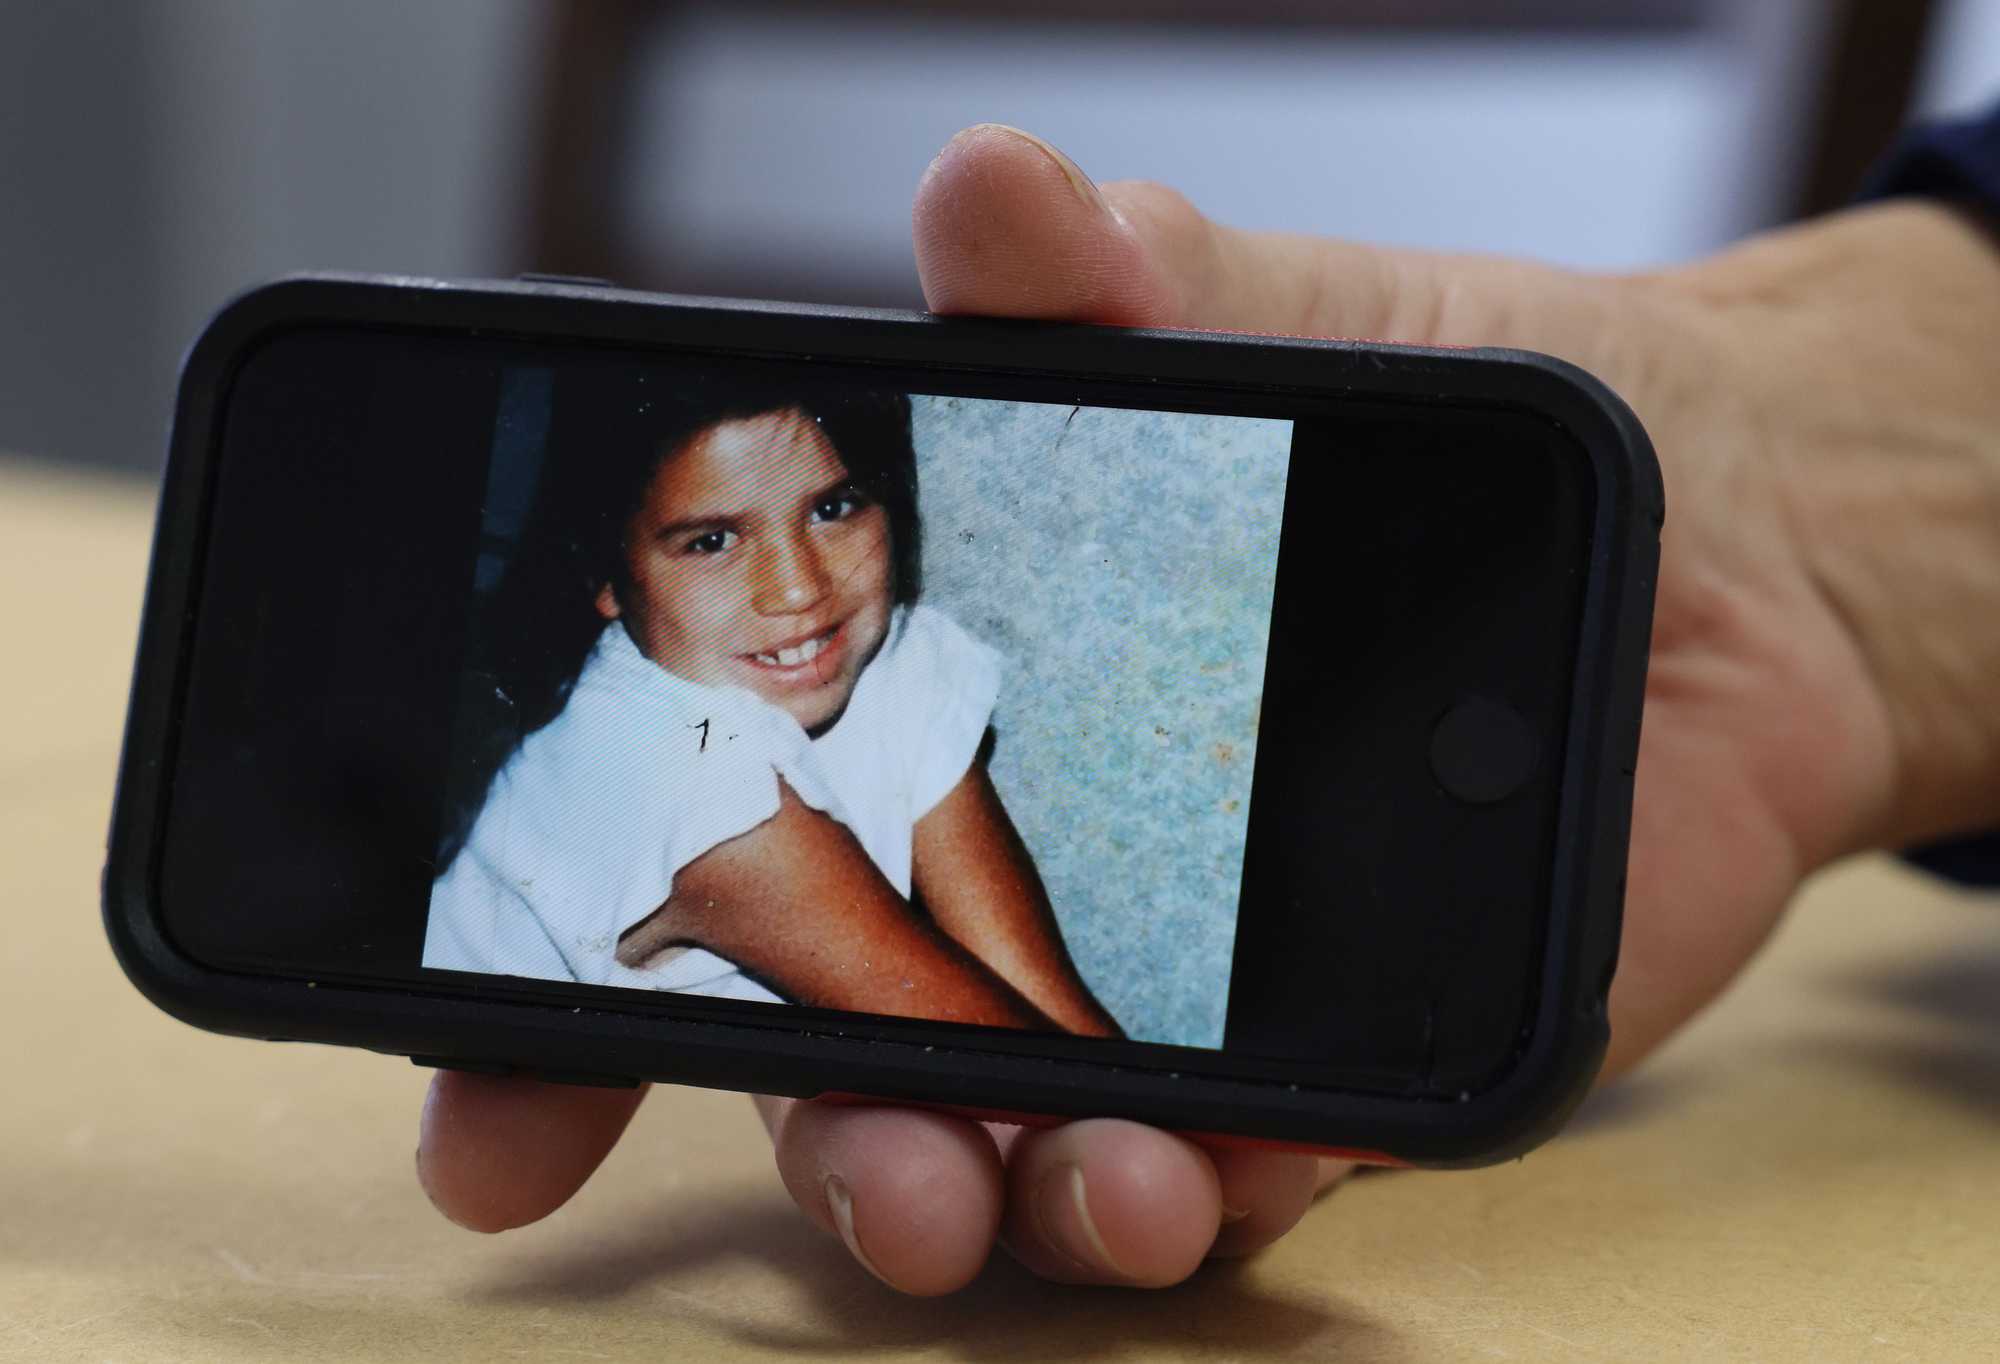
<point x="1961" y="71"/>
<point x="368" y="135"/>
<point x="773" y="140"/>
<point x="157" y="158"/>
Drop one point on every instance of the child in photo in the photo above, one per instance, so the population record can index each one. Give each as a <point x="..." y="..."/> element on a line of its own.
<point x="739" y="757"/>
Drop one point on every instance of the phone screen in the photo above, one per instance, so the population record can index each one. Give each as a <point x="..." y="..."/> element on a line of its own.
<point x="1004" y="646"/>
<point x="767" y="689"/>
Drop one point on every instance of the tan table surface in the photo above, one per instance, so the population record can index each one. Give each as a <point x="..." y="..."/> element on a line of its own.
<point x="1811" y="1172"/>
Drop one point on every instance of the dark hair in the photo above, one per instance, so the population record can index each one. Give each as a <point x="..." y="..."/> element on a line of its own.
<point x="610" y="426"/>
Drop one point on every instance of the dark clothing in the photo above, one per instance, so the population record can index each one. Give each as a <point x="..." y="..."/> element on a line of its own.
<point x="1945" y="161"/>
<point x="1958" y="161"/>
<point x="1974" y="859"/>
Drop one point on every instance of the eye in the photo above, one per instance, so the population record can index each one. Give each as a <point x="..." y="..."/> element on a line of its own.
<point x="838" y="506"/>
<point x="711" y="542"/>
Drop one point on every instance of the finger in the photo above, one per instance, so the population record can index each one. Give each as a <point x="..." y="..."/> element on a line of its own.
<point x="1005" y="225"/>
<point x="915" y="1195"/>
<point x="1331" y="1171"/>
<point x="1260" y="1192"/>
<point x="1109" y="1201"/>
<point x="1263" y="1193"/>
<point x="495" y="1152"/>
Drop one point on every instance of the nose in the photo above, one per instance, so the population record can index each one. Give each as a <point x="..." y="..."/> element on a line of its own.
<point x="789" y="576"/>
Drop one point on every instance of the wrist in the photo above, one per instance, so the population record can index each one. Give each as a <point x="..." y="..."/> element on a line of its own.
<point x="1864" y="345"/>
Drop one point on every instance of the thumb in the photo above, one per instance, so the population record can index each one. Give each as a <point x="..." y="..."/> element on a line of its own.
<point x="1007" y="226"/>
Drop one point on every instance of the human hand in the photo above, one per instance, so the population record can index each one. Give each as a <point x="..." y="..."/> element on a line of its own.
<point x="1830" y="571"/>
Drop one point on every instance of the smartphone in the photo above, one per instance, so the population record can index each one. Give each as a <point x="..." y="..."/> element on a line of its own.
<point x="1233" y="733"/>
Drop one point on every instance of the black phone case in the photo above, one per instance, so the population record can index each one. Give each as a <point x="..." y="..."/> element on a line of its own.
<point x="604" y="1045"/>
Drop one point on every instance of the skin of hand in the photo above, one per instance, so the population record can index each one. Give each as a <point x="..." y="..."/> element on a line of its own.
<point x="1822" y="677"/>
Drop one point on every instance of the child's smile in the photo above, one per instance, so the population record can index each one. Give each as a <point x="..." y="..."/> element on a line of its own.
<point x="753" y="561"/>
<point x="789" y="657"/>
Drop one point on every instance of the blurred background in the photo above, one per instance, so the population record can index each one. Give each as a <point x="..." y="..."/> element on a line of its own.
<point x="159" y="157"/>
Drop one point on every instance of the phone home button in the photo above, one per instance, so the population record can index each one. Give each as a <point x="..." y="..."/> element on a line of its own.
<point x="1482" y="751"/>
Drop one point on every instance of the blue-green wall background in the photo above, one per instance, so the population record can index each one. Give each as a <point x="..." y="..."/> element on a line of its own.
<point x="1122" y="562"/>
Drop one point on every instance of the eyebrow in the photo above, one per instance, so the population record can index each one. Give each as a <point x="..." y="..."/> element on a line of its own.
<point x="719" y="520"/>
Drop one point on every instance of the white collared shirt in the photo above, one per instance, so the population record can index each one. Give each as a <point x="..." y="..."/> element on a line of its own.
<point x="585" y="827"/>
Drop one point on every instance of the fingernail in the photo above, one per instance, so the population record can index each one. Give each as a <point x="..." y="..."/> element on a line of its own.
<point x="840" y="1203"/>
<point x="1230" y="1214"/>
<point x="1086" y="188"/>
<point x="1062" y="1215"/>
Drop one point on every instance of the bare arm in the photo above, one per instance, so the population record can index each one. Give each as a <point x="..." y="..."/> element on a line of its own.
<point x="979" y="883"/>
<point x="798" y="902"/>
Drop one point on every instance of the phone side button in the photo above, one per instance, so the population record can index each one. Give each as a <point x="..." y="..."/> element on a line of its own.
<point x="554" y="1077"/>
<point x="1008" y="1116"/>
<point x="550" y="277"/>
<point x="582" y="1077"/>
<point x="469" y="1067"/>
<point x="1607" y="970"/>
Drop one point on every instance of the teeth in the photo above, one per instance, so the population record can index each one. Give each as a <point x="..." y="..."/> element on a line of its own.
<point x="801" y="653"/>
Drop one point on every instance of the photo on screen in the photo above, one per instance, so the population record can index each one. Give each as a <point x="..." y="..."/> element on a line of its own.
<point x="901" y="704"/>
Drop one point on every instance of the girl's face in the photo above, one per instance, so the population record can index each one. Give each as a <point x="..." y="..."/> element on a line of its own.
<point x="754" y="562"/>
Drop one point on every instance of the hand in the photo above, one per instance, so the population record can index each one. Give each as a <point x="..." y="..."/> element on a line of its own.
<point x="1821" y="679"/>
